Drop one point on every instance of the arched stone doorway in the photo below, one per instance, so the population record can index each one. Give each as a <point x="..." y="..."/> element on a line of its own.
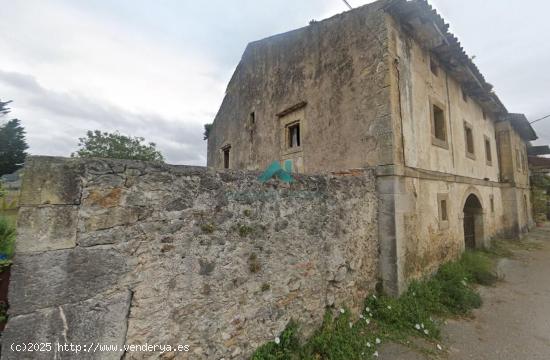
<point x="473" y="222"/>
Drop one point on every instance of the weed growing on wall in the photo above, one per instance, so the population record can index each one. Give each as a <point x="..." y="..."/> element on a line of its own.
<point x="208" y="228"/>
<point x="418" y="312"/>
<point x="244" y="230"/>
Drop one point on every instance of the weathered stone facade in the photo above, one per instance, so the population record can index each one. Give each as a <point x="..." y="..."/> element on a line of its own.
<point x="122" y="252"/>
<point x="385" y="85"/>
<point x="332" y="76"/>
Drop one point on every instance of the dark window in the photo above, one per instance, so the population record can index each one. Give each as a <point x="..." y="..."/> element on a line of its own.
<point x="492" y="200"/>
<point x="294" y="135"/>
<point x="488" y="154"/>
<point x="251" y="127"/>
<point x="469" y="135"/>
<point x="444" y="210"/>
<point x="226" y="157"/>
<point x="433" y="66"/>
<point x="440" y="131"/>
<point x="464" y="96"/>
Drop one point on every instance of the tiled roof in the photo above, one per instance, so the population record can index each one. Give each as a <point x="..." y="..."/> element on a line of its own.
<point x="538" y="150"/>
<point x="433" y="32"/>
<point x="430" y="29"/>
<point x="539" y="162"/>
<point x="522" y="126"/>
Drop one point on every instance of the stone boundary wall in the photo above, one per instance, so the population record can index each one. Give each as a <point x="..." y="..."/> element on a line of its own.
<point x="125" y="252"/>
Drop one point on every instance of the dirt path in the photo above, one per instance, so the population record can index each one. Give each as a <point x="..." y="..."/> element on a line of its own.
<point x="514" y="321"/>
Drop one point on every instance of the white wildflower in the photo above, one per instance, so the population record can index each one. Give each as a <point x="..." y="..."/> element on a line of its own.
<point x="417" y="326"/>
<point x="378" y="341"/>
<point x="350" y="325"/>
<point x="367" y="309"/>
<point x="373" y="296"/>
<point x="367" y="321"/>
<point x="389" y="307"/>
<point x="368" y="344"/>
<point x="361" y="316"/>
<point x="277" y="340"/>
<point x="422" y="325"/>
<point x="342" y="310"/>
<point x="370" y="314"/>
<point x="426" y="331"/>
<point x="439" y="347"/>
<point x="375" y="354"/>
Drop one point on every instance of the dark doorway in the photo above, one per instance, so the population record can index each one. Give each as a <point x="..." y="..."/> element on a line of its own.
<point x="473" y="222"/>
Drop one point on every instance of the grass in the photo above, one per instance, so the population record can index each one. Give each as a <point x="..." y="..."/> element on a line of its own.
<point x="418" y="312"/>
<point x="506" y="248"/>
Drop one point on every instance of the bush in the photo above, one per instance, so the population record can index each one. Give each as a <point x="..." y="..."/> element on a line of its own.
<point x="457" y="297"/>
<point x="479" y="268"/>
<point x="7" y="240"/>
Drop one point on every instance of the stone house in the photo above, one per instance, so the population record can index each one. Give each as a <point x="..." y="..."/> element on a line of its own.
<point x="385" y="86"/>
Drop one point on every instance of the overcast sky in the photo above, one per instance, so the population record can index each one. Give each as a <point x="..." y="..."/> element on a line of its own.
<point x="159" y="69"/>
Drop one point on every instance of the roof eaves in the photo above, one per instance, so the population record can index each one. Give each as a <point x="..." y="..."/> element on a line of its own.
<point x="521" y="125"/>
<point x="449" y="50"/>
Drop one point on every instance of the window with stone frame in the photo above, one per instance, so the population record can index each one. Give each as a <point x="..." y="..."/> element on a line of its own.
<point x="439" y="126"/>
<point x="488" y="151"/>
<point x="443" y="210"/>
<point x="469" y="140"/>
<point x="293" y="130"/>
<point x="293" y="135"/>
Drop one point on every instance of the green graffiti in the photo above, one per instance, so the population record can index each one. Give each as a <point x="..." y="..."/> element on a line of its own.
<point x="276" y="171"/>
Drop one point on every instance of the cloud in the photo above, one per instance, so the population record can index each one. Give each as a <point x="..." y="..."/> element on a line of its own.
<point x="50" y="112"/>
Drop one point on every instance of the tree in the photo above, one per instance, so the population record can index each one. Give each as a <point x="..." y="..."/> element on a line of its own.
<point x="207" y="129"/>
<point x="13" y="145"/>
<point x="116" y="146"/>
<point x="4" y="107"/>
